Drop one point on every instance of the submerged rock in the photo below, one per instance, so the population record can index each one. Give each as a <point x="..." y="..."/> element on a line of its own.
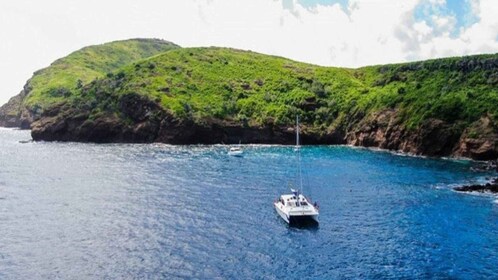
<point x="486" y="166"/>
<point x="491" y="187"/>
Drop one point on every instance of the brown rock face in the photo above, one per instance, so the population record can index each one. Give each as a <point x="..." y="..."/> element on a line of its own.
<point x="140" y="120"/>
<point x="137" y="124"/>
<point x="379" y="130"/>
<point x="384" y="130"/>
<point x="433" y="138"/>
<point x="9" y="112"/>
<point x="14" y="114"/>
<point x="479" y="141"/>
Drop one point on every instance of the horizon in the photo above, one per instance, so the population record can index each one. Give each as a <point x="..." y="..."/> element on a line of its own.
<point x="346" y="33"/>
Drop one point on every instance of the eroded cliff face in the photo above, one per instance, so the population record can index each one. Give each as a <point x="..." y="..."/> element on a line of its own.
<point x="384" y="130"/>
<point x="143" y="121"/>
<point x="15" y="114"/>
<point x="479" y="141"/>
<point x="10" y="112"/>
<point x="433" y="137"/>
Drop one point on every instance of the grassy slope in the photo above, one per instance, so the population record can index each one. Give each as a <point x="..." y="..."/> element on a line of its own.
<point x="451" y="89"/>
<point x="236" y="85"/>
<point x="200" y="83"/>
<point x="63" y="78"/>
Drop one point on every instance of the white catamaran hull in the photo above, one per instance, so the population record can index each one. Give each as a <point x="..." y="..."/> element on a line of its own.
<point x="296" y="217"/>
<point x="281" y="213"/>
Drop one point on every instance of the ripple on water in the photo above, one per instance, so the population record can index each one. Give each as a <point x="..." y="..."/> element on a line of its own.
<point x="73" y="210"/>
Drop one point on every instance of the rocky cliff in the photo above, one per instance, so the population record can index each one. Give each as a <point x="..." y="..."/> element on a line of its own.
<point x="14" y="114"/>
<point x="143" y="121"/>
<point x="444" y="107"/>
<point x="433" y="137"/>
<point x="66" y="76"/>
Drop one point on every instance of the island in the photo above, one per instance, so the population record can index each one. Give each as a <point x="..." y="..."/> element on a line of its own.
<point x="151" y="90"/>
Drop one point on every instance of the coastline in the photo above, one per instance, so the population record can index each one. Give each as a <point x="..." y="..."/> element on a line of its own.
<point x="370" y="148"/>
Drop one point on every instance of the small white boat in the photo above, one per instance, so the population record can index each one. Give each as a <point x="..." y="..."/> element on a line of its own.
<point x="236" y="152"/>
<point x="295" y="208"/>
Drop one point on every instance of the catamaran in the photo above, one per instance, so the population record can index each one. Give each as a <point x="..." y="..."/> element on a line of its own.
<point x="295" y="208"/>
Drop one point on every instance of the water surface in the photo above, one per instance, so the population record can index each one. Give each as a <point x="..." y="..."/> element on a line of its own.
<point x="81" y="211"/>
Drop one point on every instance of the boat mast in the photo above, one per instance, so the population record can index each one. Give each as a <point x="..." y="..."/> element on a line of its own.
<point x="299" y="155"/>
<point x="297" y="131"/>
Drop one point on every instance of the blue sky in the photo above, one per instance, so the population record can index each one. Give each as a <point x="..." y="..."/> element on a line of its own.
<point x="461" y="10"/>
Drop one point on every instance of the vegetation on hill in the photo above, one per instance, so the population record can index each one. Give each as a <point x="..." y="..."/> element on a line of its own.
<point x="450" y="89"/>
<point x="65" y="77"/>
<point x="152" y="90"/>
<point x="234" y="85"/>
<point x="228" y="84"/>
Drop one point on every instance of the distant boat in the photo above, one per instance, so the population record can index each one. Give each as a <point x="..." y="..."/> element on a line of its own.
<point x="236" y="152"/>
<point x="295" y="208"/>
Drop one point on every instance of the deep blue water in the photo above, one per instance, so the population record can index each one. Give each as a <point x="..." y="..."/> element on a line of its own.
<point x="79" y="211"/>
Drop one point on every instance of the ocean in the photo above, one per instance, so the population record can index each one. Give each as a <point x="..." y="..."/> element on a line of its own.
<point x="148" y="211"/>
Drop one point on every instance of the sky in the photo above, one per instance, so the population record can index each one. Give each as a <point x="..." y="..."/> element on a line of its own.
<point x="344" y="33"/>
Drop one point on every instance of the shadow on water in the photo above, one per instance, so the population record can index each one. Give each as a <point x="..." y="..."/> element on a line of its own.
<point x="304" y="224"/>
<point x="310" y="226"/>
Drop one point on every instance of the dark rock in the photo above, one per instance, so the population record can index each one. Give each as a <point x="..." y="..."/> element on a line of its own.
<point x="486" y="166"/>
<point x="245" y="86"/>
<point x="435" y="138"/>
<point x="491" y="187"/>
<point x="137" y="107"/>
<point x="138" y="122"/>
<point x="216" y="131"/>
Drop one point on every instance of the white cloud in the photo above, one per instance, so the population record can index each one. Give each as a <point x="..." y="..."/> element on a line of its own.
<point x="34" y="33"/>
<point x="423" y="31"/>
<point x="481" y="37"/>
<point x="444" y="24"/>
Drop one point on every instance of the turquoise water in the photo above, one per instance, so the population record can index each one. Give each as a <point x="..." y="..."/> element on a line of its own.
<point x="87" y="211"/>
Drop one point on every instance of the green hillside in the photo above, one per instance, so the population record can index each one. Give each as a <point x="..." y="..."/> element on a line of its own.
<point x="151" y="90"/>
<point x="65" y="77"/>
<point x="450" y="89"/>
<point x="227" y="84"/>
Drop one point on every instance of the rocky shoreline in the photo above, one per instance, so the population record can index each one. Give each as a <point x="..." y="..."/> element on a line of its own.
<point x="144" y="121"/>
<point x="434" y="137"/>
<point x="141" y="120"/>
<point x="417" y="108"/>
